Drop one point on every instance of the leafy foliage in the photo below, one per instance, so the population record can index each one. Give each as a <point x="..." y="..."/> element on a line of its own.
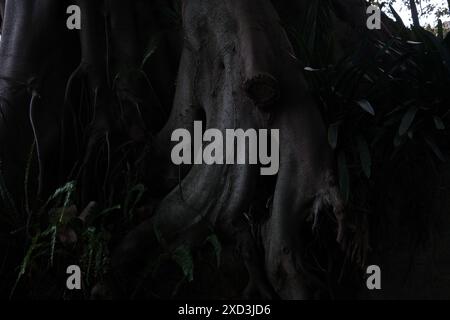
<point x="386" y="101"/>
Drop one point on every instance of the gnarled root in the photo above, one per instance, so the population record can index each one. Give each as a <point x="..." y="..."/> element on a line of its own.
<point x="215" y="197"/>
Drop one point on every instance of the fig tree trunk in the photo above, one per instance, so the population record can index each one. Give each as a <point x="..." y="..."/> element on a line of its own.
<point x="238" y="70"/>
<point x="77" y="103"/>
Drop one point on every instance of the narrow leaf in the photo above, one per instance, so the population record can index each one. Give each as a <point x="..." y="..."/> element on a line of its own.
<point x="150" y="50"/>
<point x="366" y="106"/>
<point x="183" y="257"/>
<point x="344" y="179"/>
<point x="439" y="123"/>
<point x="214" y="241"/>
<point x="364" y="156"/>
<point x="311" y="69"/>
<point x="435" y="148"/>
<point x="407" y="120"/>
<point x="333" y="134"/>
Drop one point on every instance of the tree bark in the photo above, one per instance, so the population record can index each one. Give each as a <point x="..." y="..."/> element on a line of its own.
<point x="238" y="70"/>
<point x="28" y="58"/>
<point x="232" y="49"/>
<point x="414" y="13"/>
